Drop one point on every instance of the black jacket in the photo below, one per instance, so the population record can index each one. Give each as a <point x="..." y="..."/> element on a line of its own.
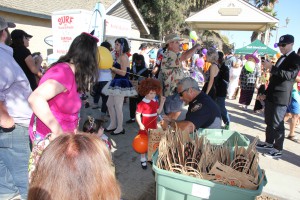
<point x="222" y="81"/>
<point x="282" y="80"/>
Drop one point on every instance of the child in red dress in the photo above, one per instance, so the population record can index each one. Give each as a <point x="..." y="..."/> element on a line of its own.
<point x="148" y="109"/>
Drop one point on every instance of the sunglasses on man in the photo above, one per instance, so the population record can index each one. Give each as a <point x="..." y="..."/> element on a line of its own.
<point x="181" y="93"/>
<point x="282" y="45"/>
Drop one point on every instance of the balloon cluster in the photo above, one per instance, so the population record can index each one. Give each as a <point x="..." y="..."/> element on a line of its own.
<point x="204" y="51"/>
<point x="250" y="66"/>
<point x="185" y="46"/>
<point x="193" y="36"/>
<point x="200" y="62"/>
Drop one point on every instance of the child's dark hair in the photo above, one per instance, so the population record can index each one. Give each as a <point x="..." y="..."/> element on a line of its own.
<point x="92" y="125"/>
<point x="134" y="56"/>
<point x="148" y="85"/>
<point x="106" y="45"/>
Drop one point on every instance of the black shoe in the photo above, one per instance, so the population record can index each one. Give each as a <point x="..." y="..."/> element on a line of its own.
<point x="87" y="104"/>
<point x="84" y="97"/>
<point x="122" y="132"/>
<point x="264" y="146"/>
<point x="95" y="107"/>
<point x="144" y="165"/>
<point x="130" y="121"/>
<point x="273" y="154"/>
<point x="111" y="130"/>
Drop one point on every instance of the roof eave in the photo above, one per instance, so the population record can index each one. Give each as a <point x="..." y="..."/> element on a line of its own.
<point x="135" y="14"/>
<point x="26" y="13"/>
<point x="233" y="26"/>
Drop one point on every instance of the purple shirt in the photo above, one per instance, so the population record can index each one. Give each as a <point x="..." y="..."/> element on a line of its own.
<point x="64" y="106"/>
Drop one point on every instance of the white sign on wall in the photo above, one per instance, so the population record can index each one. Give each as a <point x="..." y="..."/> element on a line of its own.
<point x="66" y="25"/>
<point x="115" y="26"/>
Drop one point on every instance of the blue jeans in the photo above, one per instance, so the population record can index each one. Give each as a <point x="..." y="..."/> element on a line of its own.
<point x="221" y="103"/>
<point x="14" y="156"/>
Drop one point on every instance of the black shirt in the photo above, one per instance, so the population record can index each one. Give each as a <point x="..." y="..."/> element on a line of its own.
<point x="203" y="112"/>
<point x="20" y="54"/>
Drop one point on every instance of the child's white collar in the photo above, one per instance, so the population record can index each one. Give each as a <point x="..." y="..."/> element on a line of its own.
<point x="147" y="100"/>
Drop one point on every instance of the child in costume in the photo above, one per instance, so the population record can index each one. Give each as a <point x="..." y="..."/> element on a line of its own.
<point x="148" y="109"/>
<point x="92" y="125"/>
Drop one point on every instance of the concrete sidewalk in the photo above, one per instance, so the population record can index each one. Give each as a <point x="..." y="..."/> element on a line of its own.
<point x="283" y="175"/>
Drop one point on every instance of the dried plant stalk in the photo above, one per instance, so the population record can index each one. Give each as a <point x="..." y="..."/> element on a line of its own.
<point x="195" y="156"/>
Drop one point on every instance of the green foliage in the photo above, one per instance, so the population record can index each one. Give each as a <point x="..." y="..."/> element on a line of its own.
<point x="225" y="39"/>
<point x="165" y="16"/>
<point x="266" y="6"/>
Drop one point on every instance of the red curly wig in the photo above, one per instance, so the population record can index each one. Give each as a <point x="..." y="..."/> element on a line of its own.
<point x="148" y="85"/>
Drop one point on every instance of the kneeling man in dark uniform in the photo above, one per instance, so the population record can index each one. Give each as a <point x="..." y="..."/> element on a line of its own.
<point x="203" y="112"/>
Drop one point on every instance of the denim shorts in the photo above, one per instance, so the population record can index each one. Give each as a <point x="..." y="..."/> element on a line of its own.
<point x="294" y="107"/>
<point x="173" y="103"/>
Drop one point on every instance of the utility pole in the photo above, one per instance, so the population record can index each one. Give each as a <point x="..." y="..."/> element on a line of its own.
<point x="287" y="20"/>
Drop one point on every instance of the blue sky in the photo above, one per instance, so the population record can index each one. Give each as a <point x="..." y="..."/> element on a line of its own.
<point x="285" y="8"/>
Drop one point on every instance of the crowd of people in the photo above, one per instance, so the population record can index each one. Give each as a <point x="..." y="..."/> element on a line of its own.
<point x="50" y="109"/>
<point x="37" y="104"/>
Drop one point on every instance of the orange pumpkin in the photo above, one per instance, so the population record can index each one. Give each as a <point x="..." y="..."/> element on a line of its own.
<point x="140" y="142"/>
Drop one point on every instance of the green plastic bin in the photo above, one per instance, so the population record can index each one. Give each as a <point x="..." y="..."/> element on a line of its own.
<point x="173" y="186"/>
<point x="220" y="136"/>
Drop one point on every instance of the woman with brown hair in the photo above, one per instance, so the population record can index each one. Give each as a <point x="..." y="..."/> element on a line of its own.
<point x="56" y="101"/>
<point x="75" y="167"/>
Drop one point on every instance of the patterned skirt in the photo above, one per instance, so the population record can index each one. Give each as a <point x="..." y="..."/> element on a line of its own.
<point x="119" y="87"/>
<point x="246" y="97"/>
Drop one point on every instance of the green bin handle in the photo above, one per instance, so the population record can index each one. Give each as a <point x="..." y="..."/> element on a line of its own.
<point x="247" y="139"/>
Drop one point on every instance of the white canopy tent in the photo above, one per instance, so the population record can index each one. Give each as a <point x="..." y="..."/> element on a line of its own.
<point x="231" y="15"/>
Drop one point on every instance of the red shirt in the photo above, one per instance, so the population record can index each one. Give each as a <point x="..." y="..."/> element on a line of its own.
<point x="148" y="109"/>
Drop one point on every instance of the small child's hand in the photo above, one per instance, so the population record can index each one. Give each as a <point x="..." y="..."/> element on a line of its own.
<point x="162" y="98"/>
<point x="142" y="127"/>
<point x="100" y="132"/>
<point x="166" y="118"/>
